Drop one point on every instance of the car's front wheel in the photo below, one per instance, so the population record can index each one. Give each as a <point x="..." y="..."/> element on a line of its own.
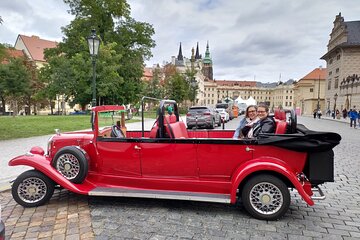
<point x="265" y="197"/>
<point x="32" y="188"/>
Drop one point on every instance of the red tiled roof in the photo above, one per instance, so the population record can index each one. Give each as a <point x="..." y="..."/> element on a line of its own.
<point x="147" y="74"/>
<point x="13" y="53"/>
<point x="36" y="46"/>
<point x="315" y="74"/>
<point x="234" y="82"/>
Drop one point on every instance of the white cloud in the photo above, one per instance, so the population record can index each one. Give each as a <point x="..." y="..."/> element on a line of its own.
<point x="247" y="38"/>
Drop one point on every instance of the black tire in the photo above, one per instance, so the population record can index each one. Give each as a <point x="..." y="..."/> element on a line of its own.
<point x="32" y="189"/>
<point x="212" y="126"/>
<point x="265" y="197"/>
<point x="71" y="163"/>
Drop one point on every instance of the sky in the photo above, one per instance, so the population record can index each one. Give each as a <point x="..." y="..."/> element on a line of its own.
<point x="262" y="40"/>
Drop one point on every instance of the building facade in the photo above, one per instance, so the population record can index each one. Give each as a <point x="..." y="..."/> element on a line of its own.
<point x="342" y="87"/>
<point x="309" y="92"/>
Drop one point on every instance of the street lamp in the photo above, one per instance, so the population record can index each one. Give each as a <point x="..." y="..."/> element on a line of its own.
<point x="318" y="100"/>
<point x="94" y="44"/>
<point x="335" y="98"/>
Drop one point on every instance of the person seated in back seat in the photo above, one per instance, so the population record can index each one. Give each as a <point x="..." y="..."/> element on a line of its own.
<point x="247" y="122"/>
<point x="266" y="123"/>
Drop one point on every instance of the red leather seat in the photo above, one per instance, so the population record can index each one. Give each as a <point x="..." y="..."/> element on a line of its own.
<point x="178" y="129"/>
<point x="281" y="127"/>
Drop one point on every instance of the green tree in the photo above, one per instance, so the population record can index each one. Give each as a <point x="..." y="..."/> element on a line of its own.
<point x="14" y="81"/>
<point x="125" y="44"/>
<point x="191" y="84"/>
<point x="176" y="88"/>
<point x="154" y="88"/>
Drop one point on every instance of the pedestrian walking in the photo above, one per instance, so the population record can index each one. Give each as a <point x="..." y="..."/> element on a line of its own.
<point x="319" y="114"/>
<point x="353" y="115"/>
<point x="344" y="113"/>
<point x="314" y="113"/>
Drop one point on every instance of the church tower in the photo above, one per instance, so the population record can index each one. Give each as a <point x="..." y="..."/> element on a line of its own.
<point x="207" y="64"/>
<point x="180" y="58"/>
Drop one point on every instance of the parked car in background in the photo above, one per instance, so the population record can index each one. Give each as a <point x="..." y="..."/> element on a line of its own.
<point x="202" y="116"/>
<point x="224" y="115"/>
<point x="227" y="107"/>
<point x="77" y="112"/>
<point x="2" y="227"/>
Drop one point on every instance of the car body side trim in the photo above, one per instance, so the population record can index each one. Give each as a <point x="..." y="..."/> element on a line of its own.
<point x="176" y="195"/>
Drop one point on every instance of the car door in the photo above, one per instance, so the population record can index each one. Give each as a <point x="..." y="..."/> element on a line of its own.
<point x="168" y="158"/>
<point x="217" y="159"/>
<point x="118" y="157"/>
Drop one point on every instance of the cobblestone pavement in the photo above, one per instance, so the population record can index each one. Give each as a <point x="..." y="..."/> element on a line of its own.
<point x="70" y="216"/>
<point x="66" y="216"/>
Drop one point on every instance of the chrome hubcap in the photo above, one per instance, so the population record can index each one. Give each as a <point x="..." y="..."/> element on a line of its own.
<point x="68" y="165"/>
<point x="266" y="198"/>
<point x="32" y="190"/>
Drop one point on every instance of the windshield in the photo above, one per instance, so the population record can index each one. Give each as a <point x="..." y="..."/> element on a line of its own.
<point x="107" y="119"/>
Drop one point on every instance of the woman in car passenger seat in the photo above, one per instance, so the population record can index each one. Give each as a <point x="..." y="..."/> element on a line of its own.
<point x="266" y="123"/>
<point x="247" y="122"/>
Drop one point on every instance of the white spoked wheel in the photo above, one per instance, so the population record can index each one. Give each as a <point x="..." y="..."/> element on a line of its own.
<point x="266" y="197"/>
<point x="71" y="163"/>
<point x="68" y="165"/>
<point x="32" y="189"/>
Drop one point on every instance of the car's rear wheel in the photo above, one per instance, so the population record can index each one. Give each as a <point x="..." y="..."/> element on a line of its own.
<point x="32" y="188"/>
<point x="265" y="197"/>
<point x="72" y="163"/>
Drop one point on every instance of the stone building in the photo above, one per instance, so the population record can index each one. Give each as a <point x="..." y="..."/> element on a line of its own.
<point x="309" y="92"/>
<point x="202" y="66"/>
<point x="342" y="88"/>
<point x="34" y="48"/>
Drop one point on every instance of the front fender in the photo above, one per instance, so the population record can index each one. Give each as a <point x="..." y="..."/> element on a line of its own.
<point x="42" y="164"/>
<point x="267" y="164"/>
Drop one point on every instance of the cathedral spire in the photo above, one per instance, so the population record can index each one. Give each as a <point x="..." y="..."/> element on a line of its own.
<point x="207" y="58"/>
<point x="180" y="56"/>
<point x="197" y="55"/>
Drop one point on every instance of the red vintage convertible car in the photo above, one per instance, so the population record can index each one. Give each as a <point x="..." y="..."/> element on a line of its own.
<point x="172" y="162"/>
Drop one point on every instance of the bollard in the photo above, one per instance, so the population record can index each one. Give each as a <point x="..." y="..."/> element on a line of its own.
<point x="223" y="123"/>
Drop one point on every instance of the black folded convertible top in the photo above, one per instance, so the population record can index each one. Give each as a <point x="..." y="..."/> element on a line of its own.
<point x="304" y="140"/>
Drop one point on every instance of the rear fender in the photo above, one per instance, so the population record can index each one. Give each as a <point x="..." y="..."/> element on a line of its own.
<point x="42" y="164"/>
<point x="267" y="164"/>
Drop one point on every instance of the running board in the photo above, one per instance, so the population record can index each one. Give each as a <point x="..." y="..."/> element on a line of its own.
<point x="177" y="195"/>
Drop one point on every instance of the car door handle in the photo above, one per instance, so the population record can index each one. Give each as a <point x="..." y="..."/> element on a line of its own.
<point x="249" y="149"/>
<point x="137" y="147"/>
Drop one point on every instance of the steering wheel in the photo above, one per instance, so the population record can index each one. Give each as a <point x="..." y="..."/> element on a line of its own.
<point x="116" y="132"/>
<point x="292" y="121"/>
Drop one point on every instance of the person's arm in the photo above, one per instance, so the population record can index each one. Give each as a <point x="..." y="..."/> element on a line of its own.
<point x="238" y="129"/>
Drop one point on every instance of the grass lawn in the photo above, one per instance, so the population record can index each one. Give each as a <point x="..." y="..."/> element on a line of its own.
<point x="29" y="126"/>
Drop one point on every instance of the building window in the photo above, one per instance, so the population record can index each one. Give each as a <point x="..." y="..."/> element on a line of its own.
<point x="336" y="82"/>
<point x="337" y="70"/>
<point x="285" y="104"/>
<point x="311" y="90"/>
<point x="208" y="101"/>
<point x="286" y="97"/>
<point x="338" y="57"/>
<point x="212" y="101"/>
<point x="330" y="61"/>
<point x="289" y="104"/>
<point x="330" y="73"/>
<point x="329" y="85"/>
